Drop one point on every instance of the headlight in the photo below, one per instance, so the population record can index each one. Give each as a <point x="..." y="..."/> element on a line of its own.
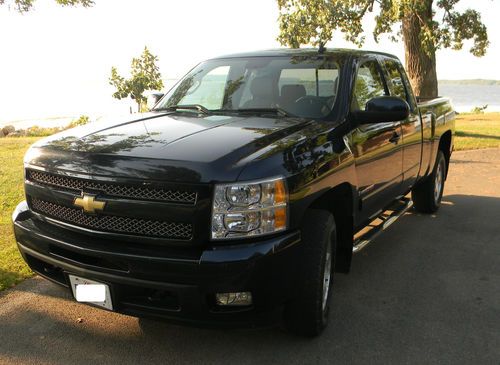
<point x="249" y="209"/>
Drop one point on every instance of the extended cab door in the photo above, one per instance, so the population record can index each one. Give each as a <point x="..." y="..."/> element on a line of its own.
<point x="376" y="146"/>
<point x="411" y="127"/>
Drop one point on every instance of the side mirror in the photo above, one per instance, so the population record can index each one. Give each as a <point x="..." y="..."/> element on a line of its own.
<point x="383" y="109"/>
<point x="153" y="99"/>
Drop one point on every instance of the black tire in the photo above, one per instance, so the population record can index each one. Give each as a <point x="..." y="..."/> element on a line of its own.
<point x="427" y="195"/>
<point x="307" y="314"/>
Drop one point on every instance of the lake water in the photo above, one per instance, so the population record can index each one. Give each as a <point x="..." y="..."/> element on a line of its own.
<point x="466" y="97"/>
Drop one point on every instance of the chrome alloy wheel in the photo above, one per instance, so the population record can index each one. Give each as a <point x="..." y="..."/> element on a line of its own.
<point x="327" y="273"/>
<point x="438" y="183"/>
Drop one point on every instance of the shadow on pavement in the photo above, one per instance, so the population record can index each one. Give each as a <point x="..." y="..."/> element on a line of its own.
<point x="425" y="292"/>
<point x="476" y="135"/>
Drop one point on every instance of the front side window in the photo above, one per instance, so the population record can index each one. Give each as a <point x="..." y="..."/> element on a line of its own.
<point x="300" y="86"/>
<point x="369" y="84"/>
<point x="395" y="80"/>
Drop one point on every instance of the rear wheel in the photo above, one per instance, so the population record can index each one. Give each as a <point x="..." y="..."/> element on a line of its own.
<point x="427" y="195"/>
<point x="307" y="314"/>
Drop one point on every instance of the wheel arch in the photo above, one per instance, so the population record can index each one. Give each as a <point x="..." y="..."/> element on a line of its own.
<point x="339" y="201"/>
<point x="445" y="146"/>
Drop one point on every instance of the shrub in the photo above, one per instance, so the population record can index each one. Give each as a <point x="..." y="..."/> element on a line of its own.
<point x="37" y="131"/>
<point x="78" y="122"/>
<point x="479" y="109"/>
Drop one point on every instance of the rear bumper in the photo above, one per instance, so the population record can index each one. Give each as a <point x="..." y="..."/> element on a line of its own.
<point x="148" y="281"/>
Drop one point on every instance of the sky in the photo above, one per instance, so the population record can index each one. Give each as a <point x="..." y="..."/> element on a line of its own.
<point x="56" y="61"/>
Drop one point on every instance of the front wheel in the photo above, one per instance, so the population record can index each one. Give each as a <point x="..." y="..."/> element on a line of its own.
<point x="427" y="195"/>
<point x="307" y="314"/>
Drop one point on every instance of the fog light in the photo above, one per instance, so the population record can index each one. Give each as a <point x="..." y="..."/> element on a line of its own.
<point x="241" y="298"/>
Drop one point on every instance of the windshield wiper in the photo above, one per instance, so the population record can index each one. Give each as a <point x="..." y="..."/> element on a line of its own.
<point x="197" y="107"/>
<point x="281" y="112"/>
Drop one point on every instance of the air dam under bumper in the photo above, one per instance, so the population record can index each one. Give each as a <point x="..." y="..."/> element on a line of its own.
<point x="146" y="282"/>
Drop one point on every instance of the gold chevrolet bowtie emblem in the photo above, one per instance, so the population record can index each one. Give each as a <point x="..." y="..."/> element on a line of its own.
<point x="88" y="203"/>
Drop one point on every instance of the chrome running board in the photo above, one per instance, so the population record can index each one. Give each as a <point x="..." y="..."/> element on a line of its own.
<point x="383" y="221"/>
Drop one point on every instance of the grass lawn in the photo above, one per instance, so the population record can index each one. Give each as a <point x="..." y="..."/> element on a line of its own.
<point x="12" y="267"/>
<point x="473" y="131"/>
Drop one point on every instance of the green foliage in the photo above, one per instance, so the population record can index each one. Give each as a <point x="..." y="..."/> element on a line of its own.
<point x="78" y="122"/>
<point x="37" y="131"/>
<point x="23" y="6"/>
<point x="479" y="109"/>
<point x="144" y="75"/>
<point x="12" y="267"/>
<point x="362" y="92"/>
<point x="314" y="21"/>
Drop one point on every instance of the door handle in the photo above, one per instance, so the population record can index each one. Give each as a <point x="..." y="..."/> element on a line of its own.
<point x="395" y="138"/>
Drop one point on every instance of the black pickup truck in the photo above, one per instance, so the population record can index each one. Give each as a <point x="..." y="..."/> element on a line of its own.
<point x="240" y="194"/>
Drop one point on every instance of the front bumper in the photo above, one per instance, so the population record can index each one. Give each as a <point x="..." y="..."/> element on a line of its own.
<point x="150" y="281"/>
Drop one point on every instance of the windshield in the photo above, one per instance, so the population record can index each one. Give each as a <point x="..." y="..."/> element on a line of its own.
<point x="297" y="86"/>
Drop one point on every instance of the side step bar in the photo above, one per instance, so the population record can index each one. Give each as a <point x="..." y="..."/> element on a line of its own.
<point x="365" y="236"/>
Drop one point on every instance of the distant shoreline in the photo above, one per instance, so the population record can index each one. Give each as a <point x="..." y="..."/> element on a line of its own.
<point x="466" y="94"/>
<point x="470" y="82"/>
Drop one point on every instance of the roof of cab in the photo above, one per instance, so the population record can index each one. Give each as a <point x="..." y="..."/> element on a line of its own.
<point x="304" y="52"/>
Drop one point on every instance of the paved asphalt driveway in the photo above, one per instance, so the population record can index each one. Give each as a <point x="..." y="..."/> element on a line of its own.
<point x="428" y="291"/>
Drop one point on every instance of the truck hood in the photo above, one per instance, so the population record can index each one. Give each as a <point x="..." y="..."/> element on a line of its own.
<point x="161" y="146"/>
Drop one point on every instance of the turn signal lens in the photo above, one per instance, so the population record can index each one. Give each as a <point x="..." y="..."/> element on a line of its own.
<point x="279" y="192"/>
<point x="280" y="218"/>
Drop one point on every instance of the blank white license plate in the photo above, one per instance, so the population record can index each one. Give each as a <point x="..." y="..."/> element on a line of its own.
<point x="90" y="291"/>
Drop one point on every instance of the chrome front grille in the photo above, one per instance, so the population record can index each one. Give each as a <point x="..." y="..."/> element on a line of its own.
<point x="112" y="189"/>
<point x="115" y="224"/>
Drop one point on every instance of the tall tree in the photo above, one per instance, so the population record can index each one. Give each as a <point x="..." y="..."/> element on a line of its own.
<point x="144" y="75"/>
<point x="314" y="21"/>
<point x="25" y="5"/>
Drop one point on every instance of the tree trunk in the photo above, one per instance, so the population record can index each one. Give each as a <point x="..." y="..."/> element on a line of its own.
<point x="420" y="65"/>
